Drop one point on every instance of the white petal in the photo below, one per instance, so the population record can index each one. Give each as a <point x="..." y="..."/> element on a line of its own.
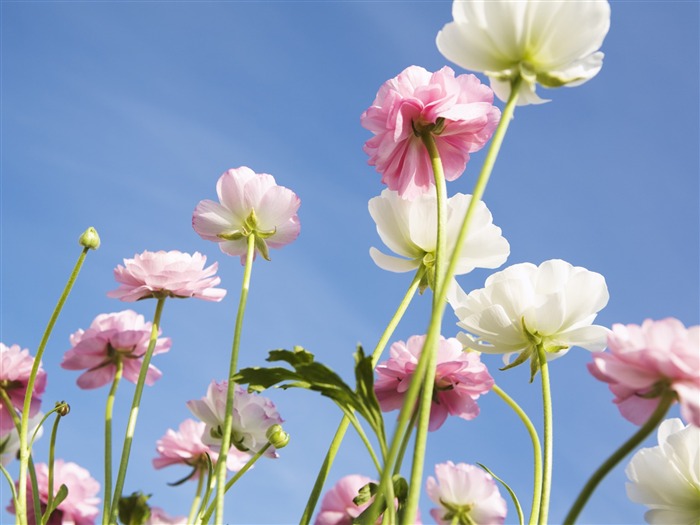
<point x="391" y="263"/>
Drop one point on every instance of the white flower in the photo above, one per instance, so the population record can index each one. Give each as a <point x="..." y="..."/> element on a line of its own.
<point x="409" y="228"/>
<point x="667" y="478"/>
<point x="9" y="443"/>
<point x="552" y="43"/>
<point x="524" y="306"/>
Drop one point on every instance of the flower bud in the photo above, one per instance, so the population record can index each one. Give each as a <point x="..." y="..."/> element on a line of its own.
<point x="90" y="239"/>
<point x="63" y="408"/>
<point x="277" y="437"/>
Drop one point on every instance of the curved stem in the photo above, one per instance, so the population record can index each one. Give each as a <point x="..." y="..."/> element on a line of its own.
<point x="404" y="443"/>
<point x="52" y="457"/>
<point x="10" y="482"/>
<point x="192" y="516"/>
<point x="108" y="440"/>
<point x="628" y="446"/>
<point x="548" y="435"/>
<point x="361" y="432"/>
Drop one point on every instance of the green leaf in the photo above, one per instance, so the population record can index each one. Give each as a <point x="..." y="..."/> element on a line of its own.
<point x="57" y="500"/>
<point x="518" y="508"/>
<point x="364" y="377"/>
<point x="134" y="509"/>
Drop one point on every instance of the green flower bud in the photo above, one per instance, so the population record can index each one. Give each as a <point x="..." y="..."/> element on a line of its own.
<point x="90" y="239"/>
<point x="63" y="408"/>
<point x="277" y="437"/>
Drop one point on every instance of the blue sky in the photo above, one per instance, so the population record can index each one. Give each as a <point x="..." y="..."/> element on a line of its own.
<point x="122" y="115"/>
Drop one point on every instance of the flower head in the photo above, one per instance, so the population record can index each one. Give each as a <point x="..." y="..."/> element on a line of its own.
<point x="337" y="506"/>
<point x="15" y="370"/>
<point x="253" y="414"/>
<point x="113" y="338"/>
<point x="466" y="495"/>
<point x="460" y="378"/>
<point x="666" y="478"/>
<point x="457" y="111"/>
<point x="166" y="274"/>
<point x="9" y="440"/>
<point x="525" y="307"/>
<point x="645" y="361"/>
<point x="549" y="43"/>
<point x="250" y="203"/>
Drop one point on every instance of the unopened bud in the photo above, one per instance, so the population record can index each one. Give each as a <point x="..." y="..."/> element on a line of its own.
<point x="63" y="408"/>
<point x="277" y="437"/>
<point x="90" y="239"/>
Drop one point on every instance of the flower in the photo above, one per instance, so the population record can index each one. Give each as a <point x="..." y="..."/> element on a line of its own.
<point x="409" y="228"/>
<point x="460" y="378"/>
<point x="81" y="504"/>
<point x="185" y="447"/>
<point x="15" y="369"/>
<point x="9" y="442"/>
<point x="457" y="111"/>
<point x="112" y="338"/>
<point x="645" y="361"/>
<point x="166" y="274"/>
<point x="466" y="495"/>
<point x="160" y="517"/>
<point x="525" y="306"/>
<point x="549" y="43"/>
<point x="666" y="478"/>
<point x="253" y="414"/>
<point x="250" y="203"/>
<point x="338" y="507"/>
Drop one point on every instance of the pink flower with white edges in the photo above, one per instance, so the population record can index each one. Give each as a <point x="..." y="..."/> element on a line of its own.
<point x="644" y="361"/>
<point x="249" y="203"/>
<point x="337" y="506"/>
<point x="460" y="378"/>
<point x="457" y="111"/>
<point x="253" y="414"/>
<point x="166" y="274"/>
<point x="111" y="338"/>
<point x="81" y="504"/>
<point x="465" y="495"/>
<point x="15" y="369"/>
<point x="160" y="517"/>
<point x="185" y="447"/>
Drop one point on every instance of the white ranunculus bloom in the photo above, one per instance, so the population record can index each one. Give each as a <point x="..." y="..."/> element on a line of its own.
<point x="552" y="43"/>
<point x="667" y="478"/>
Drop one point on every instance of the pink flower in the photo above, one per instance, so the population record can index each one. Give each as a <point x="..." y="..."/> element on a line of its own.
<point x="250" y="203"/>
<point x="645" y="361"/>
<point x="80" y="506"/>
<point x="465" y="494"/>
<point x="166" y="274"/>
<point x="337" y="506"/>
<point x="460" y="378"/>
<point x="119" y="337"/>
<point x="185" y="447"/>
<point x="456" y="110"/>
<point x="15" y="369"/>
<point x="159" y="517"/>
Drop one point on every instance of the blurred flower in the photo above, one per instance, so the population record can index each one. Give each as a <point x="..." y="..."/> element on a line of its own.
<point x="524" y="306"/>
<point x="667" y="478"/>
<point x="9" y="441"/>
<point x="460" y="378"/>
<point x="549" y="43"/>
<point x="15" y="369"/>
<point x="253" y="414"/>
<point x="645" y="361"/>
<point x="338" y="507"/>
<point x="409" y="228"/>
<point x="112" y="338"/>
<point x="250" y="203"/>
<point x="466" y="495"/>
<point x="166" y="274"/>
<point x="457" y="111"/>
<point x="159" y="517"/>
<point x="185" y="447"/>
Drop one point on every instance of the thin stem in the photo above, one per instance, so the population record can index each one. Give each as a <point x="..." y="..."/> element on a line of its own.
<point x="668" y="398"/>
<point x="52" y="457"/>
<point x="133" y="414"/>
<point x="404" y="443"/>
<point x="35" y="489"/>
<point x="361" y="432"/>
<point x="108" y="440"/>
<point x="10" y="482"/>
<point x="548" y="435"/>
<point x="192" y="516"/>
<point x="228" y="418"/>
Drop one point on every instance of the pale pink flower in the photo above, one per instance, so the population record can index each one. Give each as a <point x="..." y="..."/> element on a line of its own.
<point x="9" y="440"/>
<point x="645" y="361"/>
<point x="111" y="338"/>
<point x="80" y="506"/>
<point x="337" y="506"/>
<point x="15" y="369"/>
<point x="166" y="274"/>
<point x="465" y="494"/>
<point x="460" y="378"/>
<point x="160" y="517"/>
<point x="457" y="111"/>
<point x="249" y="203"/>
<point x="253" y="414"/>
<point x="185" y="447"/>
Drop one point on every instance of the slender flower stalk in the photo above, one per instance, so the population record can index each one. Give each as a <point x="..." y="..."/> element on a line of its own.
<point x="108" y="440"/>
<point x="193" y="515"/>
<point x="52" y="458"/>
<point x="548" y="435"/>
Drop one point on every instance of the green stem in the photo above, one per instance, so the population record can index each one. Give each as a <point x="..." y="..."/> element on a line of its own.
<point x="668" y="398"/>
<point x="228" y="418"/>
<point x="108" y="440"/>
<point x="35" y="489"/>
<point x="361" y="432"/>
<point x="192" y="516"/>
<point x="404" y="443"/>
<point x="24" y="427"/>
<point x="11" y="483"/>
<point x="548" y="434"/>
<point x="536" y="451"/>
<point x="133" y="414"/>
<point x="52" y="457"/>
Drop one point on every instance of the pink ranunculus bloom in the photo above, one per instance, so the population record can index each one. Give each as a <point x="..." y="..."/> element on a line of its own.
<point x="460" y="378"/>
<point x="80" y="506"/>
<point x="166" y="274"/>
<point x="121" y="336"/>
<point x="160" y="517"/>
<point x="646" y="360"/>
<point x="458" y="112"/>
<point x="185" y="447"/>
<point x="337" y="506"/>
<point x="249" y="203"/>
<point x="465" y="494"/>
<point x="15" y="369"/>
<point x="253" y="414"/>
